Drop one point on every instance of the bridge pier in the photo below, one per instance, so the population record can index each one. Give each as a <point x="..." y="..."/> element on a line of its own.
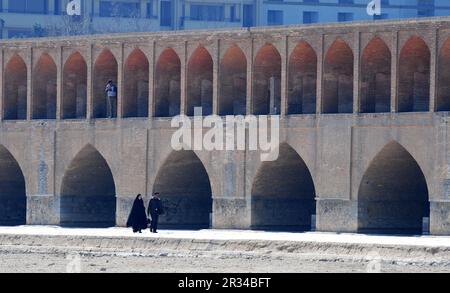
<point x="43" y="210"/>
<point x="336" y="215"/>
<point x="231" y="213"/>
<point x="439" y="218"/>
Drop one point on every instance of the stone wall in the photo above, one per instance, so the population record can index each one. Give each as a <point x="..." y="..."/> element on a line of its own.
<point x="336" y="125"/>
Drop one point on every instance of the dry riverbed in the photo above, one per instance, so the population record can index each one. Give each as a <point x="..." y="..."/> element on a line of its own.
<point x="24" y="260"/>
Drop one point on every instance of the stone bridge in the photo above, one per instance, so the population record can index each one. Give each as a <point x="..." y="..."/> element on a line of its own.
<point x="364" y="123"/>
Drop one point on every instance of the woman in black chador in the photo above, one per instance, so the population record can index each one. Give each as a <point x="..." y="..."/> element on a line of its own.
<point x="138" y="217"/>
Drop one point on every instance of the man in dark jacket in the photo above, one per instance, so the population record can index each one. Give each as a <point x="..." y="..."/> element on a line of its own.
<point x="154" y="210"/>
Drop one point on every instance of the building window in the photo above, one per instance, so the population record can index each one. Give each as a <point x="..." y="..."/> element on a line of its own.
<point x="150" y="9"/>
<point x="310" y="17"/>
<point x="345" y="16"/>
<point x="425" y="8"/>
<point x="233" y="13"/>
<point x="382" y="16"/>
<point x="119" y="9"/>
<point x="28" y="6"/>
<point x="274" y="17"/>
<point x="207" y="12"/>
<point x="248" y="15"/>
<point x="19" y="33"/>
<point x="166" y="13"/>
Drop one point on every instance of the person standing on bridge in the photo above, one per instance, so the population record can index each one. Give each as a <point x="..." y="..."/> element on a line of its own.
<point x="111" y="99"/>
<point x="155" y="209"/>
<point x="138" y="217"/>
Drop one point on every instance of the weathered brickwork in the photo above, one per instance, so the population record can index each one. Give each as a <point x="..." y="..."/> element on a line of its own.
<point x="364" y="126"/>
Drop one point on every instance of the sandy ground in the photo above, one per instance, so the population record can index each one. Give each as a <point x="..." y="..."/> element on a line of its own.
<point x="37" y="256"/>
<point x="31" y="262"/>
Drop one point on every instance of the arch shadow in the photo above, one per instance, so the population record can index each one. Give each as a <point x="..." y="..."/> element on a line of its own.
<point x="302" y="80"/>
<point x="185" y="189"/>
<point x="13" y="199"/>
<point x="88" y="192"/>
<point x="267" y="81"/>
<point x="393" y="194"/>
<point x="283" y="194"/>
<point x="44" y="88"/>
<point x="168" y="84"/>
<point x="74" y="87"/>
<point x="15" y="89"/>
<point x="136" y="85"/>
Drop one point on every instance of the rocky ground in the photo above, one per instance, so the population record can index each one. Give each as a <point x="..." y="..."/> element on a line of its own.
<point x="25" y="261"/>
<point x="57" y="250"/>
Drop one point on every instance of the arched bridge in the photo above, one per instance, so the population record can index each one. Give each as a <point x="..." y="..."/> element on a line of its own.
<point x="364" y="123"/>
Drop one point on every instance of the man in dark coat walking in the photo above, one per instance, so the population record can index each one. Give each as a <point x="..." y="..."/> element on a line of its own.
<point x="155" y="209"/>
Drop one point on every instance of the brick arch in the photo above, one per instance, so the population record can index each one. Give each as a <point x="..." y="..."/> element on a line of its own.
<point x="105" y="68"/>
<point x="136" y="85"/>
<point x="44" y="88"/>
<point x="13" y="198"/>
<point x="69" y="52"/>
<point x="267" y="81"/>
<point x="233" y="82"/>
<point x="302" y="80"/>
<point x="414" y="78"/>
<point x="167" y="84"/>
<point x="74" y="98"/>
<point x="88" y="191"/>
<point x="338" y="79"/>
<point x="225" y="47"/>
<point x="443" y="79"/>
<point x="393" y="193"/>
<point x="15" y="89"/>
<point x="200" y="82"/>
<point x="186" y="191"/>
<point x="375" y="85"/>
<point x="283" y="193"/>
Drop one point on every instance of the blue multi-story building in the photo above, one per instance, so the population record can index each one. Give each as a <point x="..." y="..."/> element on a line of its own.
<point x="286" y="12"/>
<point x="22" y="18"/>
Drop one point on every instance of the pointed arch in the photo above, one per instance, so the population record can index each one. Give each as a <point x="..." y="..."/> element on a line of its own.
<point x="443" y="87"/>
<point x="168" y="80"/>
<point x="375" y="86"/>
<point x="393" y="193"/>
<point x="74" y="99"/>
<point x="136" y="85"/>
<point x="233" y="82"/>
<point x="185" y="189"/>
<point x="105" y="68"/>
<point x="13" y="200"/>
<point x="200" y="82"/>
<point x="44" y="88"/>
<point x="338" y="79"/>
<point x="283" y="194"/>
<point x="414" y="80"/>
<point x="15" y="89"/>
<point x="302" y="80"/>
<point x="88" y="192"/>
<point x="267" y="81"/>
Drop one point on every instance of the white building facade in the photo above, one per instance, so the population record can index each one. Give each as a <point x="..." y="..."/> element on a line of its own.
<point x="27" y="18"/>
